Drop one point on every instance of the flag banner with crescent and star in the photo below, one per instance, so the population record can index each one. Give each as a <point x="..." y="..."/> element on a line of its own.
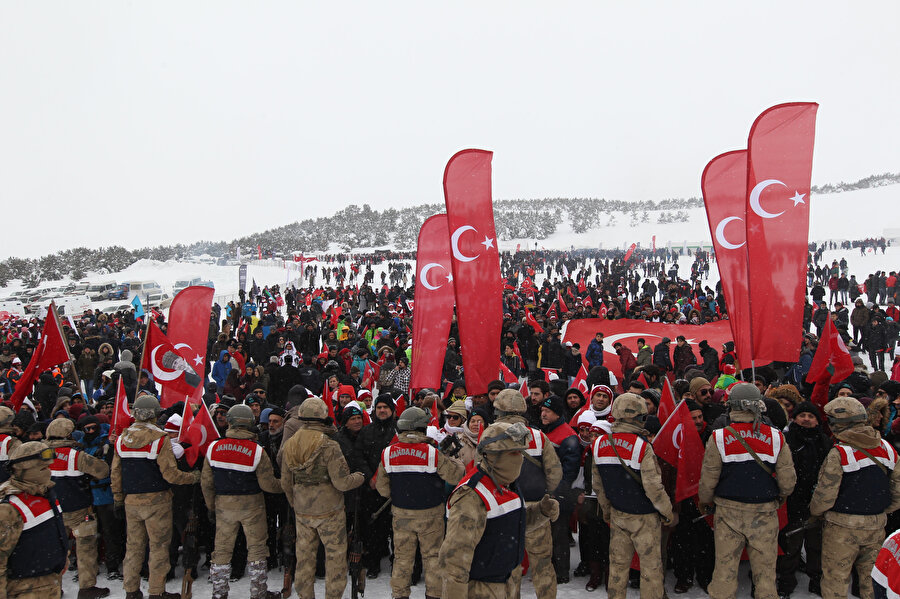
<point x="475" y="261"/>
<point x="724" y="186"/>
<point x="627" y="332"/>
<point x="434" y="303"/>
<point x="679" y="444"/>
<point x="779" y="168"/>
<point x="188" y="331"/>
<point x="170" y="367"/>
<point x="51" y="351"/>
<point x="122" y="417"/>
<point x="198" y="430"/>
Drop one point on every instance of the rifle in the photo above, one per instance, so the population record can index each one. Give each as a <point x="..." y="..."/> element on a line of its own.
<point x="357" y="576"/>
<point x="190" y="552"/>
<point x="288" y="554"/>
<point x="381" y="509"/>
<point x="805" y="525"/>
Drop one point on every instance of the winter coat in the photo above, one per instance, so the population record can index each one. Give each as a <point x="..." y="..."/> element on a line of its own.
<point x="710" y="362"/>
<point x="661" y="357"/>
<point x="220" y="370"/>
<point x="644" y="356"/>
<point x="860" y="316"/>
<point x="626" y="359"/>
<point x="683" y="358"/>
<point x="594" y="354"/>
<point x="809" y="446"/>
<point x="373" y="438"/>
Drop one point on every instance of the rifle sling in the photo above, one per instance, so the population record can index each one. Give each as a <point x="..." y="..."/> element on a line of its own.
<point x="630" y="472"/>
<point x="756" y="457"/>
<point x="884" y="469"/>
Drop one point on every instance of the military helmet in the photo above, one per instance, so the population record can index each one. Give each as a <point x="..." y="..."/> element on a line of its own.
<point x="746" y="397"/>
<point x="510" y="401"/>
<point x="146" y="407"/>
<point x="60" y="428"/>
<point x="413" y="419"/>
<point x="313" y="408"/>
<point x="26" y="452"/>
<point x="504" y="436"/>
<point x="629" y="406"/>
<point x="845" y="411"/>
<point x="240" y="416"/>
<point x="6" y="416"/>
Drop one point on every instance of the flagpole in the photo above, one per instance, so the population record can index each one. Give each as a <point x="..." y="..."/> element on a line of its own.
<point x="71" y="360"/>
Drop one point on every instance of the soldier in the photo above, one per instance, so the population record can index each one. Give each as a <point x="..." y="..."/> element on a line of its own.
<point x="858" y="484"/>
<point x="412" y="474"/>
<point x="236" y="472"/>
<point x="69" y="471"/>
<point x="540" y="474"/>
<point x="142" y="470"/>
<point x="8" y="442"/>
<point x="314" y="476"/>
<point x="629" y="488"/>
<point x="33" y="540"/>
<point x="886" y="573"/>
<point x="748" y="472"/>
<point x="487" y="519"/>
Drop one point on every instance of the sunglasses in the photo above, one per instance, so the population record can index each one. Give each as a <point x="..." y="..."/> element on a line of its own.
<point x="703" y="392"/>
<point x="454" y="417"/>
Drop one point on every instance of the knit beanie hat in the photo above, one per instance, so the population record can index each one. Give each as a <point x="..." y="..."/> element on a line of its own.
<point x="555" y="404"/>
<point x="386" y="399"/>
<point x="697" y="383"/>
<point x="806" y="406"/>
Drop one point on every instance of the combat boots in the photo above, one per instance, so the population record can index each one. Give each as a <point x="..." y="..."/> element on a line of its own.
<point x="259" y="581"/>
<point x="166" y="595"/>
<point x="92" y="593"/>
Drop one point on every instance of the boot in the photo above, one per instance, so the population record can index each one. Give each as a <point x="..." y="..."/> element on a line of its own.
<point x="583" y="569"/>
<point x="815" y="586"/>
<point x="166" y="595"/>
<point x="134" y="595"/>
<point x="259" y="579"/>
<point x="92" y="593"/>
<point x="598" y="576"/>
<point x="218" y="576"/>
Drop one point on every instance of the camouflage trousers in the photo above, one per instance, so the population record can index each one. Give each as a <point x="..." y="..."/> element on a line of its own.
<point x="85" y="544"/>
<point x="734" y="530"/>
<point x="231" y="516"/>
<point x="331" y="529"/>
<point x="151" y="522"/>
<point x="492" y="590"/>
<point x="630" y="533"/>
<point x="539" y="546"/>
<point x="39" y="587"/>
<point x="412" y="527"/>
<point x="842" y="549"/>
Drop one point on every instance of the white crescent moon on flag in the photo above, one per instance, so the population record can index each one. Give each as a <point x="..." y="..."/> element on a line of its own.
<point x="676" y="437"/>
<point x="754" y="198"/>
<point x="720" y="233"/>
<point x="454" y="244"/>
<point x="159" y="373"/>
<point x="203" y="438"/>
<point x="423" y="276"/>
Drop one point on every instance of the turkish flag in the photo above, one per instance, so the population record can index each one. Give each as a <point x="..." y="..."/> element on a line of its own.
<point x="435" y="297"/>
<point x="666" y="401"/>
<point x="562" y="305"/>
<point x="531" y="320"/>
<point x="170" y="367"/>
<point x="724" y="185"/>
<point x="629" y="252"/>
<point x="779" y="167"/>
<point x="507" y="374"/>
<point x="679" y="444"/>
<point x="51" y="350"/>
<point x="580" y="382"/>
<point x="582" y="287"/>
<point x="476" y="265"/>
<point x="188" y="330"/>
<point x="627" y="331"/>
<point x="122" y="417"/>
<point x="831" y="363"/>
<point x="197" y="430"/>
<point x="602" y="311"/>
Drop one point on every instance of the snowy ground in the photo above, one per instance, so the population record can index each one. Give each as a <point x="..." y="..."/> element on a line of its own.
<point x="380" y="587"/>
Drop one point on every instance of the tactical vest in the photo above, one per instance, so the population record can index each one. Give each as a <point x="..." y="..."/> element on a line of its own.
<point x="886" y="573"/>
<point x="412" y="472"/>
<point x="140" y="472"/>
<point x="43" y="545"/>
<point x="865" y="489"/>
<point x="502" y="545"/>
<point x="742" y="479"/>
<point x="5" y="441"/>
<point x="234" y="463"/>
<point x="532" y="482"/>
<point x="623" y="492"/>
<point x="71" y="487"/>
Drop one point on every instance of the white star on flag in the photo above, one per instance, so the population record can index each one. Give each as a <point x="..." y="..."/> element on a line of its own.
<point x="488" y="242"/>
<point x="198" y="360"/>
<point x="449" y="278"/>
<point x="798" y="198"/>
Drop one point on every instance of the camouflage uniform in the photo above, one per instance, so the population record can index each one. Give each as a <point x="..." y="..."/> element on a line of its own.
<point x="853" y="495"/>
<point x="30" y="478"/>
<point x="314" y="476"/>
<point x="148" y="514"/>
<point x="633" y="512"/>
<point x="8" y="442"/>
<point x="423" y="526"/>
<point x="79" y="522"/>
<point x="235" y="509"/>
<point x="751" y="522"/>
<point x="511" y="408"/>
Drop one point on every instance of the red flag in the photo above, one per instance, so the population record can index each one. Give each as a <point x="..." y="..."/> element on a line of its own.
<point x="580" y="382"/>
<point x="589" y="303"/>
<point x="170" y="367"/>
<point x="435" y="415"/>
<point x="51" y="350"/>
<point x="524" y="390"/>
<point x="643" y="380"/>
<point x="724" y="185"/>
<point x="308" y="300"/>
<point x="197" y="430"/>
<point x="335" y="314"/>
<point x="518" y="354"/>
<point x="779" y="167"/>
<point x="122" y="418"/>
<point x="508" y="376"/>
<point x="476" y="265"/>
<point x="551" y="313"/>
<point x="666" y="401"/>
<point x="531" y="320"/>
<point x="434" y="295"/>
<point x="562" y="305"/>
<point x="679" y="444"/>
<point x="832" y="362"/>
<point x="547" y="372"/>
<point x="602" y="311"/>
<point x="188" y="330"/>
<point x="630" y="251"/>
<point x="582" y="287"/>
<point x="258" y="252"/>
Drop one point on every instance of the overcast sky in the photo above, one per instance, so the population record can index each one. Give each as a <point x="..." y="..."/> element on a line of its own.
<point x="140" y="123"/>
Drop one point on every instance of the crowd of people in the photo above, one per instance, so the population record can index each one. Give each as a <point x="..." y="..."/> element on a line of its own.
<point x="329" y="465"/>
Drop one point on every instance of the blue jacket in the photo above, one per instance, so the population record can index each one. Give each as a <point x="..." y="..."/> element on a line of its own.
<point x="594" y="354"/>
<point x="100" y="448"/>
<point x="220" y="370"/>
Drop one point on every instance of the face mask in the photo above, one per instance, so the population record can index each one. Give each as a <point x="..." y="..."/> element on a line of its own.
<point x="35" y="476"/>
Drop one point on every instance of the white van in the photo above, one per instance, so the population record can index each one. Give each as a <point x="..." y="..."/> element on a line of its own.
<point x="142" y="288"/>
<point x="97" y="291"/>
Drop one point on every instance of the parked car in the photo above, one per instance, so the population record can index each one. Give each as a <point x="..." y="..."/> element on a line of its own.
<point x="97" y="292"/>
<point x="118" y="308"/>
<point x="183" y="284"/>
<point x="119" y="292"/>
<point x="159" y="299"/>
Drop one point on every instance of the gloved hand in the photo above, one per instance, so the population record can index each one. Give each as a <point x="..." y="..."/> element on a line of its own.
<point x="706" y="508"/>
<point x="196" y="476"/>
<point x="119" y="511"/>
<point x="550" y="507"/>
